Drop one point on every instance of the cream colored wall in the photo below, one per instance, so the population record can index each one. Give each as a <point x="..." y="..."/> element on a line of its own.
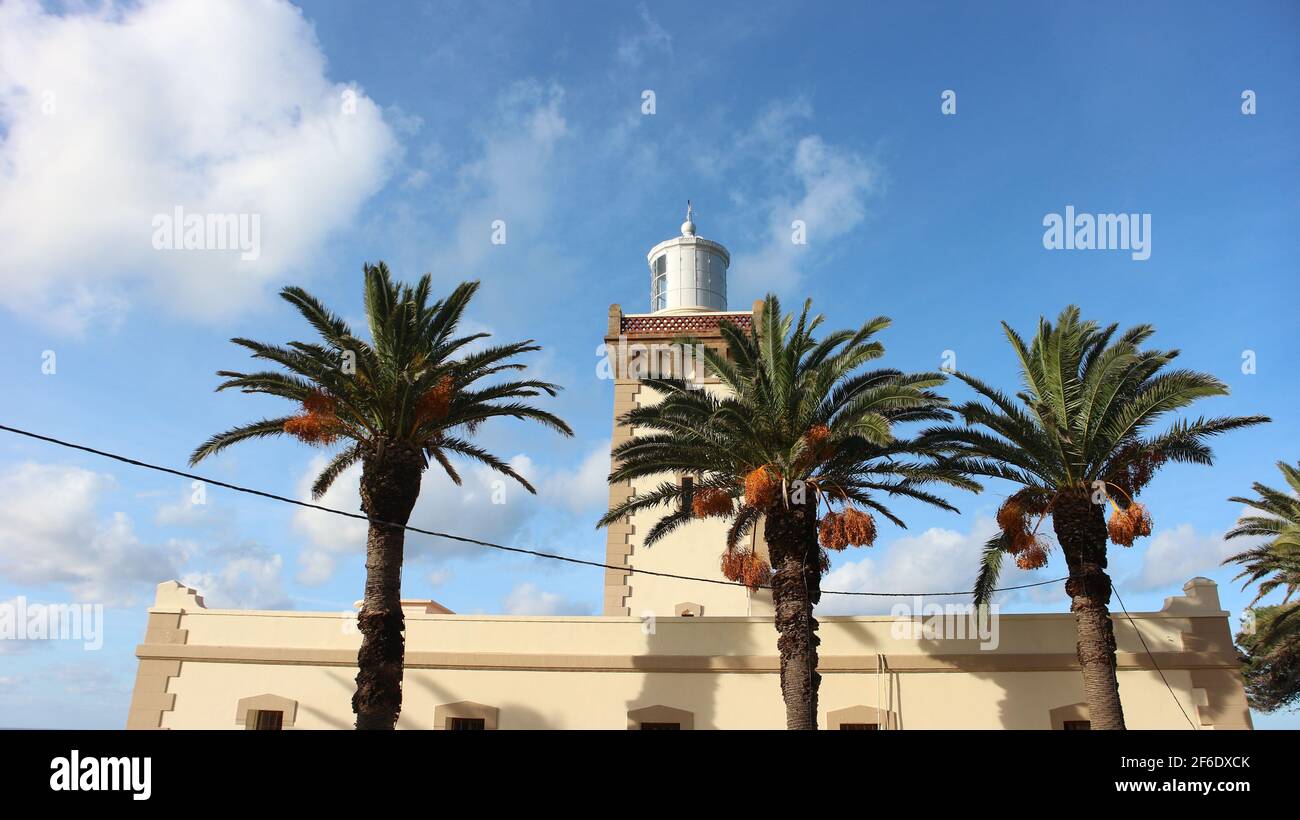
<point x="565" y="672"/>
<point x="601" y="700"/>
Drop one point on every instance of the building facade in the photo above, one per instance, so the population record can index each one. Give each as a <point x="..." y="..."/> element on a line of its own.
<point x="206" y="668"/>
<point x="671" y="653"/>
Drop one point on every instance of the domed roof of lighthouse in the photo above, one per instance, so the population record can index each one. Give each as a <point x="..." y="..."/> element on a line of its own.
<point x="688" y="274"/>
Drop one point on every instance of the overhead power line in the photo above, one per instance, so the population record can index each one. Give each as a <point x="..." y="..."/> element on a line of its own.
<point x="462" y="538"/>
<point x="1177" y="702"/>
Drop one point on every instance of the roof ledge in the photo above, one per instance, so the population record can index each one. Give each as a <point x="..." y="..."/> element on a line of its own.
<point x="1201" y="597"/>
<point x="176" y="597"/>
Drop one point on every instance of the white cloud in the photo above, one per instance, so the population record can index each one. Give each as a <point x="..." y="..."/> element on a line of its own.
<point x="651" y="40"/>
<point x="315" y="566"/>
<point x="416" y="180"/>
<point x="1176" y="555"/>
<point x="442" y="506"/>
<point x="109" y="117"/>
<point x="89" y="680"/>
<point x="249" y="577"/>
<point x="937" y="560"/>
<point x="584" y="488"/>
<point x="185" y="512"/>
<point x="438" y="577"/>
<point x="512" y="171"/>
<point x="528" y="599"/>
<point x="328" y="535"/>
<point x="52" y="532"/>
<point x="511" y="179"/>
<point x="775" y="131"/>
<point x="487" y="506"/>
<point x="833" y="186"/>
<point x="946" y="560"/>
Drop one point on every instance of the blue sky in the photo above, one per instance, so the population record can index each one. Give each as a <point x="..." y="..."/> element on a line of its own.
<point x="401" y="131"/>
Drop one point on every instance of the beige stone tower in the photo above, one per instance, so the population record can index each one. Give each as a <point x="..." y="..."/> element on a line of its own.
<point x="688" y="294"/>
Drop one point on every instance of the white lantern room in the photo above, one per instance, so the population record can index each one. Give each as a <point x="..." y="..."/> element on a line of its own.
<point x="687" y="273"/>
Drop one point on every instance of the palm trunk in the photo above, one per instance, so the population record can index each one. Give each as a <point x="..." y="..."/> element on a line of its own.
<point x="390" y="484"/>
<point x="1081" y="530"/>
<point x="791" y="536"/>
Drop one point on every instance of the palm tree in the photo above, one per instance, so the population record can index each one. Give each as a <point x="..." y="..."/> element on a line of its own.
<point x="1076" y="438"/>
<point x="412" y="394"/>
<point x="1271" y="662"/>
<point x="802" y="426"/>
<point x="1272" y="678"/>
<point x="1275" y="563"/>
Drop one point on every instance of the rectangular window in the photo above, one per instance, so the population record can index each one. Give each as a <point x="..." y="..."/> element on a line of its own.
<point x="661" y="726"/>
<point x="465" y="724"/>
<point x="1076" y="725"/>
<point x="265" y="720"/>
<point x="688" y="492"/>
<point x="859" y="726"/>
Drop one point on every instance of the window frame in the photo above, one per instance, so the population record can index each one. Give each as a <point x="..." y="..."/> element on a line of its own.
<point x="861" y="715"/>
<point x="465" y="724"/>
<point x="259" y="716"/>
<point x="246" y="709"/>
<point x="444" y="713"/>
<point x="659" y="713"/>
<point x="1070" y="713"/>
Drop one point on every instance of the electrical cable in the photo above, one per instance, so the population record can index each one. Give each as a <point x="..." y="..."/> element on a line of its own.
<point x="1178" y="702"/>
<point x="462" y="538"/>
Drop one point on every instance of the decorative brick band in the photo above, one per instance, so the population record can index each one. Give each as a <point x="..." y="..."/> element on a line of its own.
<point x="671" y="324"/>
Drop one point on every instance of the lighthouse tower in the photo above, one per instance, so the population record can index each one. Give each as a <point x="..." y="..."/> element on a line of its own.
<point x="688" y="297"/>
